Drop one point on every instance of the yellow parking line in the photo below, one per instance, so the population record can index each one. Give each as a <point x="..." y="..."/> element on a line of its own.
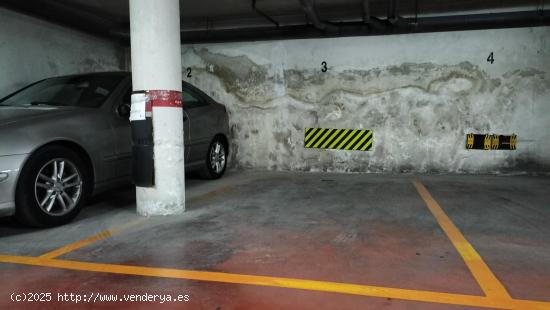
<point x="496" y="294"/>
<point x="77" y="245"/>
<point x="479" y="269"/>
<point x="87" y="241"/>
<point x="110" y="232"/>
<point x="324" y="286"/>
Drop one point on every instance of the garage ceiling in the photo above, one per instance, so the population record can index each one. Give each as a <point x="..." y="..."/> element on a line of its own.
<point x="233" y="20"/>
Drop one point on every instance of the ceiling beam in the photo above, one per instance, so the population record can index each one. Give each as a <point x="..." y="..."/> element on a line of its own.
<point x="406" y="25"/>
<point x="94" y="22"/>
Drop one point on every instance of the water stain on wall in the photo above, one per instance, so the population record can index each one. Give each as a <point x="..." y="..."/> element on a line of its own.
<point x="240" y="76"/>
<point x="419" y="112"/>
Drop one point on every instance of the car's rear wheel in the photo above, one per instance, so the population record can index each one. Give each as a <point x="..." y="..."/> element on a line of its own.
<point x="52" y="187"/>
<point x="216" y="159"/>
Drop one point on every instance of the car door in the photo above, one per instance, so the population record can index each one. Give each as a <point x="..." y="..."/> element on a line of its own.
<point x="123" y="133"/>
<point x="201" y="123"/>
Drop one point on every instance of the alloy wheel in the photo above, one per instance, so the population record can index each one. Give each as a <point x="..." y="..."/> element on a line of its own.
<point x="58" y="187"/>
<point x="217" y="157"/>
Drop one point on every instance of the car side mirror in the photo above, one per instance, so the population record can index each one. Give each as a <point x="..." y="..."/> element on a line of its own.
<point x="123" y="110"/>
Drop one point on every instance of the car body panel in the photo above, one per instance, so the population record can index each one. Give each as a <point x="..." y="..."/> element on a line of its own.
<point x="201" y="124"/>
<point x="99" y="132"/>
<point x="9" y="172"/>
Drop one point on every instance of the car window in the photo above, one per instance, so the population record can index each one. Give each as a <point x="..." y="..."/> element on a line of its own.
<point x="83" y="91"/>
<point x="191" y="100"/>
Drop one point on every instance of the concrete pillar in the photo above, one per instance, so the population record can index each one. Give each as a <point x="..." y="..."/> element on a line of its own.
<point x="156" y="68"/>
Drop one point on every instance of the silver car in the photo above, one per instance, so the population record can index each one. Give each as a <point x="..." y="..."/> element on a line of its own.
<point x="66" y="138"/>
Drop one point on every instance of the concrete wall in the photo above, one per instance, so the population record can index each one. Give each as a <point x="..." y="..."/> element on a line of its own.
<point x="32" y="49"/>
<point x="420" y="94"/>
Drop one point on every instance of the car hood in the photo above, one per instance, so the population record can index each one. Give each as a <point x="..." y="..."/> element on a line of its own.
<point x="15" y="114"/>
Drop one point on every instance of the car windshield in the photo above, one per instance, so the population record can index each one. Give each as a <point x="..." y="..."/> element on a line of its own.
<point x="89" y="91"/>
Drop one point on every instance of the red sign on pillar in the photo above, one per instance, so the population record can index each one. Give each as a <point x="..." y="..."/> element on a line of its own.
<point x="164" y="98"/>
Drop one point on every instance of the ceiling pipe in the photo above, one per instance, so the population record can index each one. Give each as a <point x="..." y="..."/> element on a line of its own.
<point x="309" y="8"/>
<point x="414" y="24"/>
<point x="269" y="18"/>
<point x="424" y="24"/>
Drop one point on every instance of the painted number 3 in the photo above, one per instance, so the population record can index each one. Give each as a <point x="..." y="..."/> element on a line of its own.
<point x="324" y="66"/>
<point x="491" y="59"/>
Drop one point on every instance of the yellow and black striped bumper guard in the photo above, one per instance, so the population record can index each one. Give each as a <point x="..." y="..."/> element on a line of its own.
<point x="338" y="139"/>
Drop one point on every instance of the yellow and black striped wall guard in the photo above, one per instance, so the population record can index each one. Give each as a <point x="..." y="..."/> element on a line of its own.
<point x="338" y="139"/>
<point x="491" y="142"/>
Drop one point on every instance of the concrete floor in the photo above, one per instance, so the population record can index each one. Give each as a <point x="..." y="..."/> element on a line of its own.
<point x="373" y="231"/>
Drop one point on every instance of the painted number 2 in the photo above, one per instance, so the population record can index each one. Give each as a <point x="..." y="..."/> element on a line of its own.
<point x="491" y="59"/>
<point x="189" y="72"/>
<point x="324" y="66"/>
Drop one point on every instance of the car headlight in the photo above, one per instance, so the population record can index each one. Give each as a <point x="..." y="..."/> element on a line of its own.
<point x="4" y="175"/>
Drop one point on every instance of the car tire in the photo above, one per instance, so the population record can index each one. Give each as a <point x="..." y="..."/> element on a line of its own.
<point x="52" y="187"/>
<point x="216" y="159"/>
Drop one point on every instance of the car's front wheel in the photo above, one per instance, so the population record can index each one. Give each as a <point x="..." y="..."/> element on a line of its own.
<point x="216" y="159"/>
<point x="52" y="187"/>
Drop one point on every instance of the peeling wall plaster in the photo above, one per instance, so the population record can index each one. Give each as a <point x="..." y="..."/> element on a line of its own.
<point x="32" y="49"/>
<point x="420" y="94"/>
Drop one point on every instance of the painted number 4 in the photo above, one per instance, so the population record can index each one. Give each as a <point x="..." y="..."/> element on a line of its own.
<point x="491" y="59"/>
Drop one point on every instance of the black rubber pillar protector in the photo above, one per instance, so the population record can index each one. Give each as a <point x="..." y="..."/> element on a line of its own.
<point x="143" y="166"/>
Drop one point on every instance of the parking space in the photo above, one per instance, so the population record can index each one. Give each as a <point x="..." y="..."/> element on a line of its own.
<point x="313" y="239"/>
<point x="506" y="220"/>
